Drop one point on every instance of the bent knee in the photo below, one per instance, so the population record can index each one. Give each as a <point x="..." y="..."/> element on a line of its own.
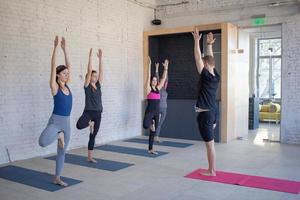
<point x="79" y="126"/>
<point x="42" y="143"/>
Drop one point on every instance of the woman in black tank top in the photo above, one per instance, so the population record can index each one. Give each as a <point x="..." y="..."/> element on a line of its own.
<point x="93" y="103"/>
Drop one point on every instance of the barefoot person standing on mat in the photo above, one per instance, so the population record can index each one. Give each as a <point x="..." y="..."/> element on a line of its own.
<point x="206" y="103"/>
<point x="93" y="103"/>
<point x="162" y="104"/>
<point x="58" y="127"/>
<point x="151" y="117"/>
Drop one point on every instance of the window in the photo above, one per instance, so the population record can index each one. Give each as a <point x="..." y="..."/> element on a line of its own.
<point x="269" y="68"/>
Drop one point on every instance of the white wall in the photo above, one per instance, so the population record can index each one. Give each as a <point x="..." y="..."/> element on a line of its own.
<point x="242" y="86"/>
<point x="26" y="38"/>
<point x="290" y="121"/>
<point x="235" y="12"/>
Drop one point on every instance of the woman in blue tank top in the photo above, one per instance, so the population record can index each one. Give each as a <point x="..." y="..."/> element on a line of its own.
<point x="58" y="128"/>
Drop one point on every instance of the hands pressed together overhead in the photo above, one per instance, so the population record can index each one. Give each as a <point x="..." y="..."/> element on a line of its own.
<point x="62" y="43"/>
<point x="196" y="34"/>
<point x="210" y="38"/>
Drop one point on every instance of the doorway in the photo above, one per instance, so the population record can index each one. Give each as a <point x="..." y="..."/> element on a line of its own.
<point x="265" y="83"/>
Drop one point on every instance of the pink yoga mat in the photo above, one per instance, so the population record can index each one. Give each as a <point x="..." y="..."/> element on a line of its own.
<point x="249" y="181"/>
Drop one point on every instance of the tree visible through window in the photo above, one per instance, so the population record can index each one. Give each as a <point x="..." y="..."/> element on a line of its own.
<point x="269" y="68"/>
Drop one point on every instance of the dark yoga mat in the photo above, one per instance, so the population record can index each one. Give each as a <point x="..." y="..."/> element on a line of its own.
<point x="129" y="150"/>
<point x="37" y="179"/>
<point x="164" y="143"/>
<point x="261" y="182"/>
<point x="108" y="165"/>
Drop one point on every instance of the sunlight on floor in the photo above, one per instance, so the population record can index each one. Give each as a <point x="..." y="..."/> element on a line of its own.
<point x="267" y="131"/>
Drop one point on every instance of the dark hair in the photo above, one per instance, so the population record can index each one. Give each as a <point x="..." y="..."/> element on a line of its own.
<point x="93" y="71"/>
<point x="209" y="59"/>
<point x="59" y="69"/>
<point x="152" y="77"/>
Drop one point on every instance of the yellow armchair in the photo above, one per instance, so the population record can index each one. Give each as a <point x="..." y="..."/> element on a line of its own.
<point x="269" y="112"/>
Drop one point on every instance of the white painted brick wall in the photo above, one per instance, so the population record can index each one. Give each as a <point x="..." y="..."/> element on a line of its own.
<point x="290" y="124"/>
<point x="288" y="16"/>
<point x="26" y="38"/>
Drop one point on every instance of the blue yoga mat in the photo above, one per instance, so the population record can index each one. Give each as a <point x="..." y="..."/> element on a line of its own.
<point x="164" y="143"/>
<point x="37" y="179"/>
<point x="102" y="164"/>
<point x="130" y="150"/>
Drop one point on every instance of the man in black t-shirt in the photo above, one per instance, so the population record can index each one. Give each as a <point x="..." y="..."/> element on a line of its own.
<point x="206" y="102"/>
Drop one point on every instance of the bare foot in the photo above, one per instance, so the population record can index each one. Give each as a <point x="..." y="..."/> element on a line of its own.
<point x="61" y="140"/>
<point x="153" y="152"/>
<point x="58" y="181"/>
<point x="157" y="139"/>
<point x="208" y="173"/>
<point x="92" y="160"/>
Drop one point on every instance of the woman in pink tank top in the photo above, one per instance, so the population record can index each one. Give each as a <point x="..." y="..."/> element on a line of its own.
<point x="151" y="117"/>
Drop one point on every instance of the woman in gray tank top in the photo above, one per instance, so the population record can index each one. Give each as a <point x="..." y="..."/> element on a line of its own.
<point x="163" y="105"/>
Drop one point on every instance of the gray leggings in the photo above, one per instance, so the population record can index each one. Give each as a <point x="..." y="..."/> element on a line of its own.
<point x="55" y="125"/>
<point x="162" y="117"/>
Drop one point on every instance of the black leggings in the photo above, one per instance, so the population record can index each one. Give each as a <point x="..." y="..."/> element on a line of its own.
<point x="83" y="122"/>
<point x="148" y="118"/>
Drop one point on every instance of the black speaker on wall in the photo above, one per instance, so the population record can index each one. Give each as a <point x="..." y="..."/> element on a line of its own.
<point x="156" y="22"/>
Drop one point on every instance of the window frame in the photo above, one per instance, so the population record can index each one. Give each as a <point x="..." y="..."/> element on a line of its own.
<point x="258" y="66"/>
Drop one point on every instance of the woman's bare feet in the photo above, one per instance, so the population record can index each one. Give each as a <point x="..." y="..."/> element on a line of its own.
<point x="156" y="139"/>
<point x="90" y="157"/>
<point x="61" y="140"/>
<point x="153" y="152"/>
<point x="58" y="181"/>
<point x="209" y="173"/>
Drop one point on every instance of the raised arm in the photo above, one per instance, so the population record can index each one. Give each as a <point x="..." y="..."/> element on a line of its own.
<point x="166" y="82"/>
<point x="89" y="70"/>
<point x="67" y="61"/>
<point x="209" y="41"/>
<point x="147" y="86"/>
<point x="99" y="54"/>
<point x="157" y="75"/>
<point x="156" y="71"/>
<point x="53" y="84"/>
<point x="197" y="50"/>
<point x="164" y="76"/>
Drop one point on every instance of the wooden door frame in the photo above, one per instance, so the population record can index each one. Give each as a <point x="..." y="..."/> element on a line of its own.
<point x="227" y="30"/>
